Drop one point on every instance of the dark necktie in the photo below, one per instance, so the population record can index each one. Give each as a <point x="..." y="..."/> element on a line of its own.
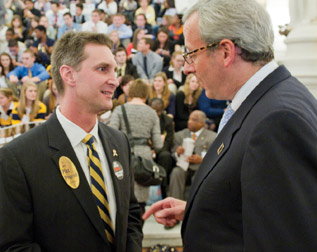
<point x="145" y="66"/>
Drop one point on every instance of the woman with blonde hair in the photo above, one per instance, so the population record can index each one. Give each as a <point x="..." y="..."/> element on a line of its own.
<point x="186" y="101"/>
<point x="160" y="89"/>
<point x="7" y="103"/>
<point x="29" y="108"/>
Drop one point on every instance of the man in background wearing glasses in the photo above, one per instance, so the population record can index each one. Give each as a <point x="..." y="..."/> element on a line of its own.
<point x="256" y="187"/>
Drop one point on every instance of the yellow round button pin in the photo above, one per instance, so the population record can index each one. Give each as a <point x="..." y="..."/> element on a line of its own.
<point x="69" y="172"/>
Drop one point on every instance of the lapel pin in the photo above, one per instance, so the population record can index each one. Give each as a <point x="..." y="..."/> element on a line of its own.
<point x="220" y="149"/>
<point x="114" y="153"/>
<point x="118" y="170"/>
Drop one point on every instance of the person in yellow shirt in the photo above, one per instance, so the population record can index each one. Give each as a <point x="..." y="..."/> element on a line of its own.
<point x="29" y="108"/>
<point x="7" y="102"/>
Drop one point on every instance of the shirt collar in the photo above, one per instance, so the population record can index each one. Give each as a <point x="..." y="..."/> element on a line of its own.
<point x="197" y="133"/>
<point x="74" y="133"/>
<point x="252" y="83"/>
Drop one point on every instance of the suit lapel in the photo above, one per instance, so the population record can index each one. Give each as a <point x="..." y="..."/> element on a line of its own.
<point x="222" y="143"/>
<point x="59" y="141"/>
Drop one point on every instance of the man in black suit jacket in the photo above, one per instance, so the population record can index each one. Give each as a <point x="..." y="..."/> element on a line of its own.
<point x="46" y="186"/>
<point x="256" y="187"/>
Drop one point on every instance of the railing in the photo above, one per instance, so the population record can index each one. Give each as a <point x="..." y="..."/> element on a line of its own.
<point x="7" y="134"/>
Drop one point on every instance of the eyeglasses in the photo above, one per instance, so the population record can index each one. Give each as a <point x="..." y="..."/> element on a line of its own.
<point x="188" y="56"/>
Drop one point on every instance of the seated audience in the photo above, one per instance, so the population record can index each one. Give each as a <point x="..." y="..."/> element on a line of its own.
<point x="144" y="125"/>
<point x="125" y="32"/>
<point x="124" y="67"/>
<point x="140" y="22"/>
<point x="175" y="72"/>
<point x="160" y="90"/>
<point x="29" y="33"/>
<point x="169" y="8"/>
<point x="43" y="46"/>
<point x="125" y="84"/>
<point x="95" y="24"/>
<point x="213" y="109"/>
<point x="163" y="155"/>
<point x="30" y="12"/>
<point x="30" y="72"/>
<point x="186" y="101"/>
<point x="203" y="138"/>
<point x="51" y="100"/>
<point x="29" y="108"/>
<point x="7" y="103"/>
<point x="55" y="15"/>
<point x="42" y="5"/>
<point x="163" y="46"/>
<point x="148" y="63"/>
<point x="68" y="25"/>
<point x="17" y="26"/>
<point x="50" y="31"/>
<point x="132" y="47"/>
<point x="110" y="7"/>
<point x="114" y="36"/>
<point x="127" y="8"/>
<point x="147" y="10"/>
<point x="79" y="17"/>
<point x="15" y="50"/>
<point x="176" y="27"/>
<point x="6" y="65"/>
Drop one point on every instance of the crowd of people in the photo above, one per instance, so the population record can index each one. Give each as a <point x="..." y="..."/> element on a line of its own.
<point x="147" y="45"/>
<point x="255" y="188"/>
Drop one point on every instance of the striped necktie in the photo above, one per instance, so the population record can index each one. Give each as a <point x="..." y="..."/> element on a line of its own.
<point x="98" y="186"/>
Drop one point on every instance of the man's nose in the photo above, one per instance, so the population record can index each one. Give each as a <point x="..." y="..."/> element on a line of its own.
<point x="189" y="68"/>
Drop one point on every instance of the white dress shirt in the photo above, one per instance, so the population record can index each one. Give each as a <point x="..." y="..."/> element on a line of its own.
<point x="75" y="135"/>
<point x="101" y="26"/>
<point x="252" y="83"/>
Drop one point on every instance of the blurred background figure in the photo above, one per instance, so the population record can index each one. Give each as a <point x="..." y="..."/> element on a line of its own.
<point x="29" y="108"/>
<point x="186" y="101"/>
<point x="175" y="72"/>
<point x="163" y="156"/>
<point x="160" y="90"/>
<point x="7" y="103"/>
<point x="51" y="100"/>
<point x="145" y="126"/>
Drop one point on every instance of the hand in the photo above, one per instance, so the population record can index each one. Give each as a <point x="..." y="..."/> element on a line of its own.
<point x="14" y="79"/>
<point x="180" y="150"/>
<point x="25" y="79"/>
<point x="167" y="211"/>
<point x="194" y="159"/>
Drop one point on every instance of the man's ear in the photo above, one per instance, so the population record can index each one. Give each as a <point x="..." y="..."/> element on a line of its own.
<point x="68" y="75"/>
<point x="229" y="51"/>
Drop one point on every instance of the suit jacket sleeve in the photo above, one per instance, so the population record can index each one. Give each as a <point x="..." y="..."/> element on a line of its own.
<point x="279" y="169"/>
<point x="16" y="213"/>
<point x="134" y="232"/>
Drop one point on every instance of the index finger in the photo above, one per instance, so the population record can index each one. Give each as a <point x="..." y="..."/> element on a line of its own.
<point x="154" y="208"/>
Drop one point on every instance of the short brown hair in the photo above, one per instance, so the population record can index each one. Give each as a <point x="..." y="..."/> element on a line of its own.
<point x="69" y="50"/>
<point x="139" y="89"/>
